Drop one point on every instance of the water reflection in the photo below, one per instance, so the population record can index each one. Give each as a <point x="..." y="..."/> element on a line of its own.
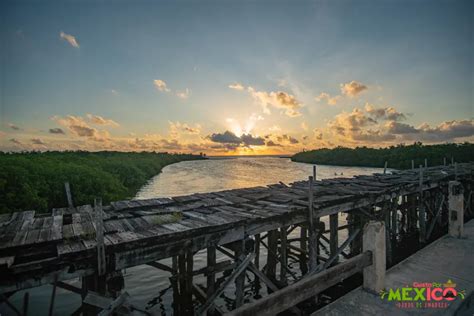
<point x="221" y="174"/>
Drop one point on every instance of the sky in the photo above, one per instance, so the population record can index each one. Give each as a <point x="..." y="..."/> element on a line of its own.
<point x="234" y="77"/>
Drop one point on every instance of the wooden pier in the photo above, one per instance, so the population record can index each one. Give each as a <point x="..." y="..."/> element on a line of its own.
<point x="95" y="243"/>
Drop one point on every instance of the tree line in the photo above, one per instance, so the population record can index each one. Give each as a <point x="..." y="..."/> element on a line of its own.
<point x="35" y="181"/>
<point x="397" y="157"/>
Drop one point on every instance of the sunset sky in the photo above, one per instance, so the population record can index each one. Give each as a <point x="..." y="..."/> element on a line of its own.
<point x="234" y="77"/>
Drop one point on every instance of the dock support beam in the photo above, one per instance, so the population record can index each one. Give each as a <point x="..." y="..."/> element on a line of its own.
<point x="283" y="255"/>
<point x="374" y="241"/>
<point x="333" y="234"/>
<point x="211" y="275"/>
<point x="456" y="209"/>
<point x="304" y="248"/>
<point x="272" y="255"/>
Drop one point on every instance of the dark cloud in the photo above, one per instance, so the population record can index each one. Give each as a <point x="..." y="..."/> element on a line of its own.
<point x="388" y="113"/>
<point x="271" y="143"/>
<point x="56" y="131"/>
<point x="234" y="140"/>
<point x="84" y="131"/>
<point x="287" y="139"/>
<point x="250" y="140"/>
<point x="400" y="128"/>
<point x="225" y="138"/>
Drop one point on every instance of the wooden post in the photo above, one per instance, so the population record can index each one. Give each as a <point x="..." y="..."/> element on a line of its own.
<point x="26" y="299"/>
<point x="388" y="243"/>
<point x="350" y="226"/>
<point x="426" y="163"/>
<point x="175" y="286"/>
<point x="456" y="171"/>
<point x="257" y="262"/>
<point x="394" y="221"/>
<point x="313" y="240"/>
<point x="374" y="241"/>
<point x="333" y="234"/>
<point x="67" y="188"/>
<point x="189" y="283"/>
<point x="444" y="161"/>
<point x="283" y="255"/>
<point x="456" y="209"/>
<point x="452" y="160"/>
<point x="182" y="282"/>
<point x="271" y="256"/>
<point x="412" y="164"/>
<point x="385" y="167"/>
<point x="101" y="263"/>
<point x="304" y="247"/>
<point x="211" y="275"/>
<point x="421" y="209"/>
<point x="240" y="279"/>
<point x="314" y="173"/>
<point x="53" y="296"/>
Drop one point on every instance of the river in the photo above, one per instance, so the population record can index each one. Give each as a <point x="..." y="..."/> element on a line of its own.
<point x="149" y="287"/>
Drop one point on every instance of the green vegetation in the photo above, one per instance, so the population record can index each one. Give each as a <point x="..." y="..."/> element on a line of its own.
<point x="398" y="157"/>
<point x="35" y="181"/>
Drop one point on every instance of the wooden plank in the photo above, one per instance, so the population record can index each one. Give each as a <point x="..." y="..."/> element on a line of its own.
<point x="289" y="296"/>
<point x="57" y="227"/>
<point x="45" y="231"/>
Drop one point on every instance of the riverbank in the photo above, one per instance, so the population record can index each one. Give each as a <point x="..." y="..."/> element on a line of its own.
<point x="34" y="180"/>
<point x="397" y="157"/>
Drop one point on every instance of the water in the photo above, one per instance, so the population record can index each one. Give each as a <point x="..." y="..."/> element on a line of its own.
<point x="149" y="287"/>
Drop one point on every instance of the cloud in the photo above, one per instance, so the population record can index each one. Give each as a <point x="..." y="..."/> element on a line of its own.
<point x="230" y="138"/>
<point x="176" y="128"/>
<point x="250" y="140"/>
<point x="99" y="120"/>
<point x="347" y="123"/>
<point x="37" y="141"/>
<point x="352" y="88"/>
<point x="183" y="94"/>
<point x="373" y="136"/>
<point x="15" y="141"/>
<point x="288" y="139"/>
<point x="400" y="128"/>
<point x="56" y="131"/>
<point x="79" y="127"/>
<point x="326" y="96"/>
<point x="226" y="137"/>
<point x="271" y="143"/>
<point x="278" y="99"/>
<point x="236" y="86"/>
<point x="304" y="126"/>
<point x="69" y="38"/>
<point x="388" y="113"/>
<point x="445" y="131"/>
<point x="14" y="127"/>
<point x="318" y="134"/>
<point x="161" y="85"/>
<point x="275" y="128"/>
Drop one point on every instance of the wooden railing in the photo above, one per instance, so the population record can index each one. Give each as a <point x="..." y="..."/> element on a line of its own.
<point x="304" y="289"/>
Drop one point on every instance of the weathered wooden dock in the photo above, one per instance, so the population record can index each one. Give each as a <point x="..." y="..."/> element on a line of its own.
<point x="95" y="243"/>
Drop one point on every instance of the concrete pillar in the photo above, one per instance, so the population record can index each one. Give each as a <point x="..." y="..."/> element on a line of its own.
<point x="456" y="209"/>
<point x="374" y="240"/>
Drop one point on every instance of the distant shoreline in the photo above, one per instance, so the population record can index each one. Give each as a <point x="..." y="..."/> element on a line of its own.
<point x="248" y="156"/>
